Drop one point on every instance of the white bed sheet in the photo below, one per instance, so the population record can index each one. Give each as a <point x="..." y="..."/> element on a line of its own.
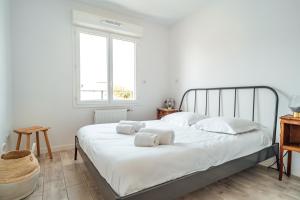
<point x="129" y="169"/>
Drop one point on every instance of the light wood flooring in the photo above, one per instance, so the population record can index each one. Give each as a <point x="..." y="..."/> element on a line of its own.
<point x="65" y="179"/>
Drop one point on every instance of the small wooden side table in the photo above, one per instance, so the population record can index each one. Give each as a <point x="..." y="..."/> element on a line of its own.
<point x="28" y="131"/>
<point x="289" y="140"/>
<point x="161" y="112"/>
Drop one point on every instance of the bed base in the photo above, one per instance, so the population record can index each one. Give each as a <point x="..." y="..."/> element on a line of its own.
<point x="183" y="185"/>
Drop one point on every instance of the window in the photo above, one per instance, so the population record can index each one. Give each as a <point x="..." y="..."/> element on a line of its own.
<point x="123" y="69"/>
<point x="105" y="68"/>
<point x="93" y="67"/>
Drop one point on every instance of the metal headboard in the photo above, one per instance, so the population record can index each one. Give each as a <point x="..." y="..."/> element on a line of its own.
<point x="235" y="89"/>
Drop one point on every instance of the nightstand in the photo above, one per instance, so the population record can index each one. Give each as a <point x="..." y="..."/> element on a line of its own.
<point x="289" y="140"/>
<point x="161" y="112"/>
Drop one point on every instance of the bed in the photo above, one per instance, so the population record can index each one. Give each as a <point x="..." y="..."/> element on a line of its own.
<point x="197" y="158"/>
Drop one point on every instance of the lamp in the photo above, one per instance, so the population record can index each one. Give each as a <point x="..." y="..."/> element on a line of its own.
<point x="295" y="105"/>
<point x="169" y="103"/>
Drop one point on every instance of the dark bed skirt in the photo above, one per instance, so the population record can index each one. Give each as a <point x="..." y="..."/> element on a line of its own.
<point x="183" y="185"/>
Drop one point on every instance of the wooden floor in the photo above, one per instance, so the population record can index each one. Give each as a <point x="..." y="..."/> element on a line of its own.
<point x="63" y="178"/>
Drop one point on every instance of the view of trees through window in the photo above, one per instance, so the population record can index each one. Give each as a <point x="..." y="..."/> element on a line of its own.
<point x="122" y="93"/>
<point x="123" y="69"/>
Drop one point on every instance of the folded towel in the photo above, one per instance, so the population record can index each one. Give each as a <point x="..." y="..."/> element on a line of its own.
<point x="125" y="129"/>
<point x="146" y="140"/>
<point x="165" y="136"/>
<point x="137" y="125"/>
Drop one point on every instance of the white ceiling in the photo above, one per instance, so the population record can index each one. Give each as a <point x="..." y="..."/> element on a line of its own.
<point x="167" y="11"/>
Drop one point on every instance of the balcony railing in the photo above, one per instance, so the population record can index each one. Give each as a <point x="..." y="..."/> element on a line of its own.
<point x="118" y="94"/>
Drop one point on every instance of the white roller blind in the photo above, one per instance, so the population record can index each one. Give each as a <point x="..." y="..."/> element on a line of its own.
<point x="89" y="20"/>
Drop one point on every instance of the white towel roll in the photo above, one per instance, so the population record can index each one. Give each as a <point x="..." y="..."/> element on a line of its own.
<point x="137" y="124"/>
<point x="125" y="129"/>
<point x="165" y="136"/>
<point x="146" y="140"/>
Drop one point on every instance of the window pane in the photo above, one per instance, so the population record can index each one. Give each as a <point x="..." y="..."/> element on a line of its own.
<point x="123" y="70"/>
<point x="93" y="67"/>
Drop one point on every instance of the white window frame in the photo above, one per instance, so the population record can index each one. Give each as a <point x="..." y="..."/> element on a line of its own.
<point x="110" y="101"/>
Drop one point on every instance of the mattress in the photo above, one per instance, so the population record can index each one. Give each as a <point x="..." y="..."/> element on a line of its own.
<point x="129" y="169"/>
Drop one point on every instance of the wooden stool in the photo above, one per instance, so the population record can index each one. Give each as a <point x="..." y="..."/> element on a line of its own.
<point x="28" y="131"/>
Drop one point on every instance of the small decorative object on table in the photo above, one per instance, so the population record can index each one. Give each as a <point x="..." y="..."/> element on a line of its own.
<point x="169" y="103"/>
<point x="295" y="105"/>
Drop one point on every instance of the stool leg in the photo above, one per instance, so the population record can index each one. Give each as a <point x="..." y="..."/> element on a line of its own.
<point x="48" y="144"/>
<point x="37" y="138"/>
<point x="19" y="141"/>
<point x="27" y="142"/>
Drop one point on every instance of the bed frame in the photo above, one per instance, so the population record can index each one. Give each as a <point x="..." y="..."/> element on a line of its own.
<point x="189" y="183"/>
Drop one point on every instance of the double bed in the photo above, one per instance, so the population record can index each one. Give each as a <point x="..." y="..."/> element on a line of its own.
<point x="196" y="159"/>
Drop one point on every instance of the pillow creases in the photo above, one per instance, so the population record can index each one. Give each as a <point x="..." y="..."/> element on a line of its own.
<point x="227" y="125"/>
<point x="183" y="118"/>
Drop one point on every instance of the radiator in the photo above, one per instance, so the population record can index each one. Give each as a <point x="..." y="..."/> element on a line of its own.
<point x="110" y="115"/>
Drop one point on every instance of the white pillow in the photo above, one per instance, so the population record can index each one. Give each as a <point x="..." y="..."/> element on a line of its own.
<point x="183" y="118"/>
<point x="226" y="125"/>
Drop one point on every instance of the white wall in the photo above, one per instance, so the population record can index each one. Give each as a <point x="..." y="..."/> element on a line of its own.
<point x="5" y="71"/>
<point x="229" y="43"/>
<point x="43" y="67"/>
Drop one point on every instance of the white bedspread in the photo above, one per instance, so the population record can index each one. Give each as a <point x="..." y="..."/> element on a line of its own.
<point x="129" y="169"/>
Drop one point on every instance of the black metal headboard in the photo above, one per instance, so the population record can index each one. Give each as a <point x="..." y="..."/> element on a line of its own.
<point x="235" y="89"/>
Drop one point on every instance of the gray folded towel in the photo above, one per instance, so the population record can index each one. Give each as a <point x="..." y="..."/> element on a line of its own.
<point x="125" y="129"/>
<point x="137" y="124"/>
<point x="146" y="140"/>
<point x="165" y="136"/>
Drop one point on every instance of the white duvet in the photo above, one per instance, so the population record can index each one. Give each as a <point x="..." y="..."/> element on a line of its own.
<point x="129" y="169"/>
